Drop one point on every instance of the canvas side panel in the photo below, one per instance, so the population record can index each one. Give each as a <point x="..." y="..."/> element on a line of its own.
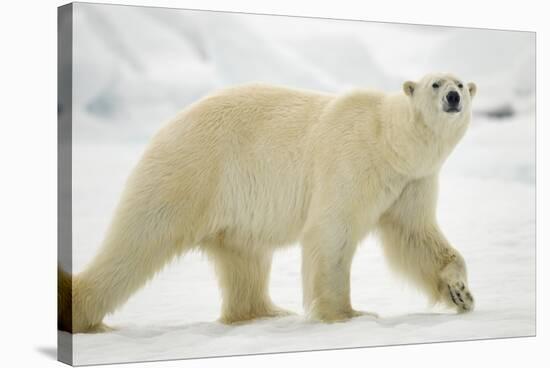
<point x="64" y="158"/>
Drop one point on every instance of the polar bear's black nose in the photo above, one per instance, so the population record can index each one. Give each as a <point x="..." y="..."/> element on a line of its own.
<point x="453" y="98"/>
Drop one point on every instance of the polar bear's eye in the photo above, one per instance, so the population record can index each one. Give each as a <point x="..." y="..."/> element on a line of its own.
<point x="460" y="85"/>
<point x="435" y="85"/>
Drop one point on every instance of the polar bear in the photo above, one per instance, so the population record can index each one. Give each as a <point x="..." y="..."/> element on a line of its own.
<point x="254" y="168"/>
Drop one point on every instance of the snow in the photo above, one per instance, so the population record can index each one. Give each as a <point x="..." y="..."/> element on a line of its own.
<point x="135" y="67"/>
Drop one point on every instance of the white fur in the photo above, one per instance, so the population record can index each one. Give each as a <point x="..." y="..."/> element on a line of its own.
<point x="254" y="168"/>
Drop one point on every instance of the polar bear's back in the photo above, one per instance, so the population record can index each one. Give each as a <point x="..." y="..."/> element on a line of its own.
<point x="248" y="117"/>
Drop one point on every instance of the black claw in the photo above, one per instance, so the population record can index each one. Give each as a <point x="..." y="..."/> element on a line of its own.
<point x="452" y="295"/>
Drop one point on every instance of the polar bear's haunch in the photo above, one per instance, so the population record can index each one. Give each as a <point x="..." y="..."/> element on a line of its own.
<point x="254" y="168"/>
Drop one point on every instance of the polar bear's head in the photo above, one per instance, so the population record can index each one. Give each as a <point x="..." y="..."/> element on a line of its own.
<point x="441" y="97"/>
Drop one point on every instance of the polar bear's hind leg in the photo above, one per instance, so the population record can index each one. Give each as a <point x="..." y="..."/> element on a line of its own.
<point x="243" y="277"/>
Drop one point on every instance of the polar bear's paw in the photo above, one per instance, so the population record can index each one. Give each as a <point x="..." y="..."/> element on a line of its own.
<point x="238" y="317"/>
<point x="356" y="313"/>
<point x="453" y="288"/>
<point x="330" y="316"/>
<point x="460" y="296"/>
<point x="275" y="311"/>
<point x="101" y="328"/>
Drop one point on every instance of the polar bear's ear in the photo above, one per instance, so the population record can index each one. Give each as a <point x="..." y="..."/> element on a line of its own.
<point x="408" y="87"/>
<point x="472" y="88"/>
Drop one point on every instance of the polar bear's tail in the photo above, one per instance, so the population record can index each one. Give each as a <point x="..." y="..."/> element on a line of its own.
<point x="64" y="301"/>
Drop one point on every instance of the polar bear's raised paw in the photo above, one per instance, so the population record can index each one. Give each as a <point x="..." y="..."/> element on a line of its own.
<point x="461" y="296"/>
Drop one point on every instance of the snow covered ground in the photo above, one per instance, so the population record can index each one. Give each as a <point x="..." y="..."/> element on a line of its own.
<point x="135" y="67"/>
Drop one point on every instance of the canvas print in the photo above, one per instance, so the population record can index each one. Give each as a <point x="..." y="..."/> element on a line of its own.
<point x="237" y="184"/>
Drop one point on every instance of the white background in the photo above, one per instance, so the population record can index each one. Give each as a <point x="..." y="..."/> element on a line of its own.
<point x="28" y="204"/>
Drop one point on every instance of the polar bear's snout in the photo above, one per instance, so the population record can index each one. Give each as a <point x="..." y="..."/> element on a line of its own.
<point x="452" y="102"/>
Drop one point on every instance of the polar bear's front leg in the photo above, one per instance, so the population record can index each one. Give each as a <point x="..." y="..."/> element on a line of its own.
<point x="327" y="252"/>
<point x="415" y="246"/>
<point x="424" y="257"/>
